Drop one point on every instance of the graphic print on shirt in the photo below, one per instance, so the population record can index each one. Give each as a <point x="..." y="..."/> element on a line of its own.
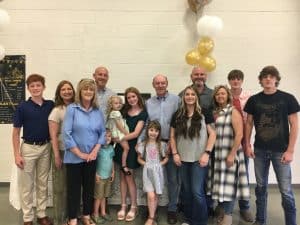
<point x="269" y="123"/>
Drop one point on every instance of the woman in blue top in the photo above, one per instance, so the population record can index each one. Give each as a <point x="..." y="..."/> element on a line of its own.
<point x="83" y="135"/>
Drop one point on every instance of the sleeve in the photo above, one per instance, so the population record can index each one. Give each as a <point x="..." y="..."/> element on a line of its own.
<point x="115" y="115"/>
<point x="18" y="116"/>
<point x="102" y="130"/>
<point x="67" y="131"/>
<point x="293" y="105"/>
<point x="141" y="148"/>
<point x="208" y="115"/>
<point x="173" y="123"/>
<point x="112" y="151"/>
<point x="249" y="106"/>
<point x="143" y="116"/>
<point x="54" y="115"/>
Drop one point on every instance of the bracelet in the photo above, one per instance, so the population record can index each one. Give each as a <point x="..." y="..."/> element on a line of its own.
<point x="208" y="152"/>
<point x="175" y="153"/>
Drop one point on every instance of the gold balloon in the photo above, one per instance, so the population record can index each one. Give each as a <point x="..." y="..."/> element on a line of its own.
<point x="192" y="57"/>
<point x="208" y="63"/>
<point x="205" y="45"/>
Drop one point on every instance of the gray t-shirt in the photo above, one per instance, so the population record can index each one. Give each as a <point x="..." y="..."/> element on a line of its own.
<point x="191" y="149"/>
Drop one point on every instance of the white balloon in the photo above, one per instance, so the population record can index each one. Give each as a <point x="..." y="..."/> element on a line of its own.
<point x="4" y="18"/>
<point x="209" y="26"/>
<point x="2" y="52"/>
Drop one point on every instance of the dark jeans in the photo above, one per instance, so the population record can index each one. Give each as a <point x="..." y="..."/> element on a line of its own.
<point x="80" y="175"/>
<point x="173" y="179"/>
<point x="193" y="192"/>
<point x="245" y="204"/>
<point x="262" y="161"/>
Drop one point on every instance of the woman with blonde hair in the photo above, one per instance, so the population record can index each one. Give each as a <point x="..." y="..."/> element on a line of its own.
<point x="83" y="135"/>
<point x="229" y="179"/>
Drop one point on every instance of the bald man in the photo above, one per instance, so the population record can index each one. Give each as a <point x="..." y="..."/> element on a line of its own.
<point x="101" y="76"/>
<point x="161" y="107"/>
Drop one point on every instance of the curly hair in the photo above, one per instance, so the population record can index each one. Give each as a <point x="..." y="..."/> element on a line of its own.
<point x="110" y="103"/>
<point x="270" y="70"/>
<point x="181" y="117"/>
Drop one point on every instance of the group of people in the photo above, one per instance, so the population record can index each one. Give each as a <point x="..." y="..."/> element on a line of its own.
<point x="201" y="137"/>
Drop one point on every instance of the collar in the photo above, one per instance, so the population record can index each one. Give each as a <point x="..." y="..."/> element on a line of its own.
<point x="162" y="98"/>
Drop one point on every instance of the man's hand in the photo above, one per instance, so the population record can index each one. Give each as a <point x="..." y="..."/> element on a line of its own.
<point x="19" y="161"/>
<point x="249" y="152"/>
<point x="287" y="157"/>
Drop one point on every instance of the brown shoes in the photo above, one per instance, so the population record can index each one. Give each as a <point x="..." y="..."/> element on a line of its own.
<point x="44" y="221"/>
<point x="28" y="223"/>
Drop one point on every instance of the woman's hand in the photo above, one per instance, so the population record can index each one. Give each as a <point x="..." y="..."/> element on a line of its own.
<point x="230" y="160"/>
<point x="203" y="160"/>
<point x="58" y="161"/>
<point x="92" y="156"/>
<point x="177" y="160"/>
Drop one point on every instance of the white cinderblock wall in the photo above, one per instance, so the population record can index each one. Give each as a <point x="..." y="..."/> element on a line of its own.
<point x="137" y="39"/>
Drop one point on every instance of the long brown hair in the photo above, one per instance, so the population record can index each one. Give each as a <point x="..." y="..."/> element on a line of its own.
<point x="156" y="125"/>
<point x="181" y="118"/>
<point x="58" y="101"/>
<point x="126" y="106"/>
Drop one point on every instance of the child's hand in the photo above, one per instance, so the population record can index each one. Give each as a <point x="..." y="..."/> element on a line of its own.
<point x="112" y="178"/>
<point x="98" y="178"/>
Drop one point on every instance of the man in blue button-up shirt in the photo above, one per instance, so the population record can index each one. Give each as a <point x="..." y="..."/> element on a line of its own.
<point x="161" y="107"/>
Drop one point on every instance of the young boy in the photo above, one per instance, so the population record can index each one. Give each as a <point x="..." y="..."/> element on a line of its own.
<point x="32" y="156"/>
<point x="104" y="178"/>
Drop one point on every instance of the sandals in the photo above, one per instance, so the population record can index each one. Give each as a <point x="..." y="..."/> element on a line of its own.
<point x="122" y="212"/>
<point x="87" y="221"/>
<point x="132" y="214"/>
<point x="125" y="170"/>
<point x="153" y="221"/>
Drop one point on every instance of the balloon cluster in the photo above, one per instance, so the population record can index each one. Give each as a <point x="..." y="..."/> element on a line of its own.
<point x="4" y="21"/>
<point x="207" y="27"/>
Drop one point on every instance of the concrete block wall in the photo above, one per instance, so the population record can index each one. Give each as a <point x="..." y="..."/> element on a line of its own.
<point x="137" y="39"/>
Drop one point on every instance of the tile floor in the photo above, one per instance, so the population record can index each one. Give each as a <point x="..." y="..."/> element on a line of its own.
<point x="9" y="216"/>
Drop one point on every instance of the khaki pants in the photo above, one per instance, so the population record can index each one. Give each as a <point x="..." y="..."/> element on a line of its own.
<point x="36" y="168"/>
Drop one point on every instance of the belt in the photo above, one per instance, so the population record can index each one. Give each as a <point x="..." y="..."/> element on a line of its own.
<point x="36" y="142"/>
<point x="165" y="140"/>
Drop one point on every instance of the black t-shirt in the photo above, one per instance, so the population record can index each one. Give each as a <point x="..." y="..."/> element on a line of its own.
<point x="270" y="114"/>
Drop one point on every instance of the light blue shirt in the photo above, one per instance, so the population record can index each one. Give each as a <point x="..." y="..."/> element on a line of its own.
<point x="103" y="96"/>
<point x="82" y="129"/>
<point x="105" y="161"/>
<point x="162" y="109"/>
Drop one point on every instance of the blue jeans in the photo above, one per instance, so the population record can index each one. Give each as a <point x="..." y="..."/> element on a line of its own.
<point x="173" y="184"/>
<point x="228" y="207"/>
<point x="245" y="204"/>
<point x="193" y="192"/>
<point x="284" y="178"/>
